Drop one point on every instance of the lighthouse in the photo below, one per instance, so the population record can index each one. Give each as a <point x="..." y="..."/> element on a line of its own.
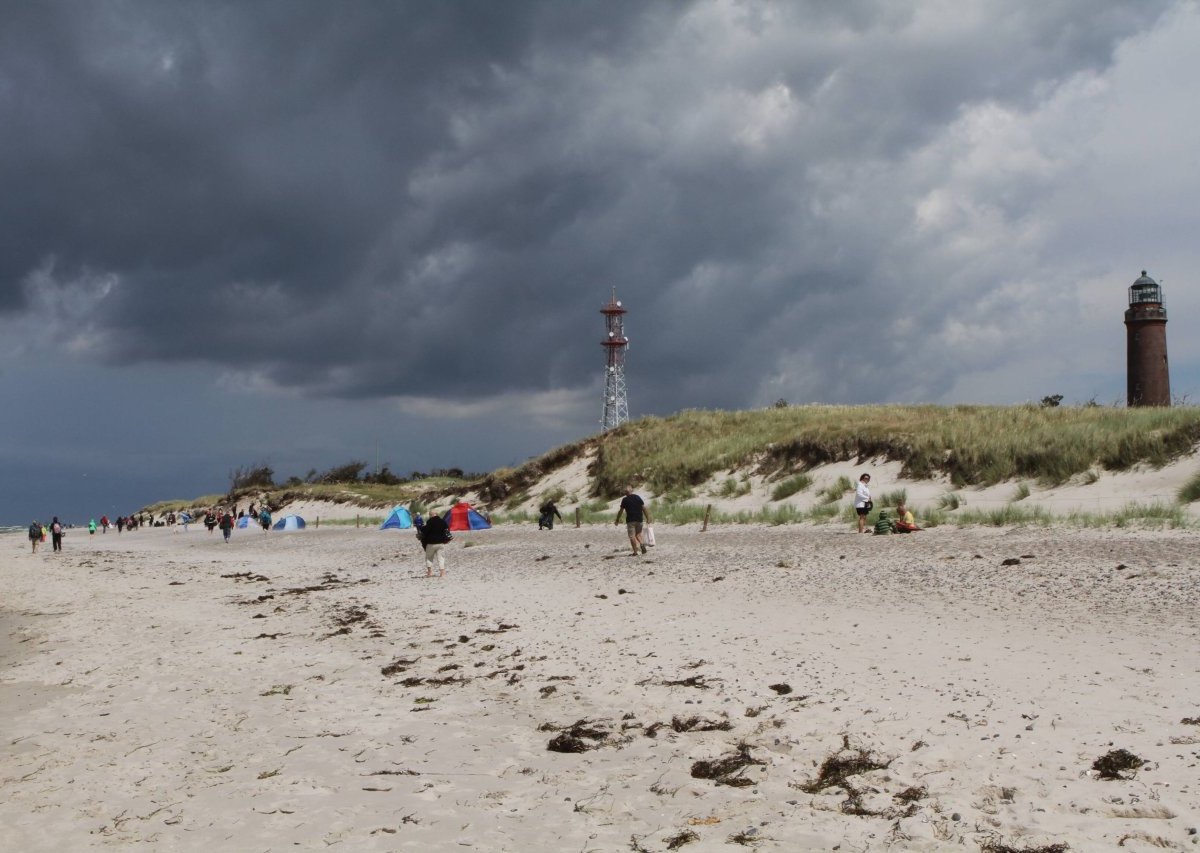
<point x="1148" y="379"/>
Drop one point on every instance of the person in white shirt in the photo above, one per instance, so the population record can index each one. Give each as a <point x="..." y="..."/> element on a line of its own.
<point x="862" y="501"/>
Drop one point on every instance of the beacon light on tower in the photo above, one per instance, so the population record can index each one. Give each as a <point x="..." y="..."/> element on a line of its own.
<point x="616" y="405"/>
<point x="1147" y="372"/>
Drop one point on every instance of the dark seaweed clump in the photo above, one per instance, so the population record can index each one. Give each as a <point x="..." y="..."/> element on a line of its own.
<point x="578" y="737"/>
<point x="837" y="768"/>
<point x="729" y="769"/>
<point x="1112" y="764"/>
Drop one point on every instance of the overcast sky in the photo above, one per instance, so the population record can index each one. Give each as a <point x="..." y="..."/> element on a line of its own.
<point x="309" y="232"/>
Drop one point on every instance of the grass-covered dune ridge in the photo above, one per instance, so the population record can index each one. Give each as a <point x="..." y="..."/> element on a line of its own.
<point x="972" y="445"/>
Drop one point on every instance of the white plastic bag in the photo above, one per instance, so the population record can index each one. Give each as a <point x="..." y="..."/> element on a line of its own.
<point x="648" y="535"/>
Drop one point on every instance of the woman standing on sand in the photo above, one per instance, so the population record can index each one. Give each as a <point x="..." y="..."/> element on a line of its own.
<point x="862" y="501"/>
<point x="434" y="536"/>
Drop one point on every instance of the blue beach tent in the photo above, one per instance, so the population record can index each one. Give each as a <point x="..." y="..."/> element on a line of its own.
<point x="245" y="521"/>
<point x="289" y="522"/>
<point x="398" y="520"/>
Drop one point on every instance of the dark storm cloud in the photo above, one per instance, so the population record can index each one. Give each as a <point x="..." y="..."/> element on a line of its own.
<point x="349" y="198"/>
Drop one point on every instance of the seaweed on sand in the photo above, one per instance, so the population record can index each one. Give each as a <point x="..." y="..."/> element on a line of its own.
<point x="580" y="736"/>
<point x="844" y="763"/>
<point x="729" y="769"/>
<point x="1112" y="764"/>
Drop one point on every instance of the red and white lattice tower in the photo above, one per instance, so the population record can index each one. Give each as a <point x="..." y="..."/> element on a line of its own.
<point x="616" y="404"/>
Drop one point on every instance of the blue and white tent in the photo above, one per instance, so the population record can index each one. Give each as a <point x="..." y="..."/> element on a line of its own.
<point x="400" y="519"/>
<point x="289" y="522"/>
<point x="245" y="521"/>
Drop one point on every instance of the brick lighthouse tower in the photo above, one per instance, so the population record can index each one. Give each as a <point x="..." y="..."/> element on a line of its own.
<point x="1149" y="382"/>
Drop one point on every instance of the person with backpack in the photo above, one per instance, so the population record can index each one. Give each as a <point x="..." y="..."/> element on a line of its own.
<point x="56" y="534"/>
<point x="35" y="534"/>
<point x="434" y="536"/>
<point x="226" y="524"/>
<point x="546" y="514"/>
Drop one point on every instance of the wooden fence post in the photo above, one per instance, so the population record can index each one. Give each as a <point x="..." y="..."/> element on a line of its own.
<point x="576" y="518"/>
<point x="707" y="510"/>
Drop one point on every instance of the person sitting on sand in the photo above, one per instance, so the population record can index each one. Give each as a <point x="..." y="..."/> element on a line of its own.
<point x="434" y="536"/>
<point x="904" y="523"/>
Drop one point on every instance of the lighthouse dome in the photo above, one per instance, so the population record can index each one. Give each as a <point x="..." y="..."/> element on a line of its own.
<point x="1145" y="289"/>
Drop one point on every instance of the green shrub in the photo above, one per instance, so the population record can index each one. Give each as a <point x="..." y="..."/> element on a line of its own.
<point x="894" y="498"/>
<point x="823" y="512"/>
<point x="790" y="486"/>
<point x="1021" y="493"/>
<point x="835" y="491"/>
<point x="950" y="501"/>
<point x="1191" y="490"/>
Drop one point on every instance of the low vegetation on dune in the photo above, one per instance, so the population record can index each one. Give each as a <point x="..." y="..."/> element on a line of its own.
<point x="972" y="445"/>
<point x="671" y="458"/>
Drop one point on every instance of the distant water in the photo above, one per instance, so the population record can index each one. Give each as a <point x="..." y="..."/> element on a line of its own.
<point x="10" y="528"/>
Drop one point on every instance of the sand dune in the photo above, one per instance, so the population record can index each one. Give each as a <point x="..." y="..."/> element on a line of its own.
<point x="297" y="691"/>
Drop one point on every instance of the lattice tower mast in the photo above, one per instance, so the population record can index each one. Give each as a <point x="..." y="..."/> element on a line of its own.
<point x="616" y="403"/>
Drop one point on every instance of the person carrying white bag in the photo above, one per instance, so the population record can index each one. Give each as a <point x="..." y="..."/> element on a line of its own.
<point x="635" y="511"/>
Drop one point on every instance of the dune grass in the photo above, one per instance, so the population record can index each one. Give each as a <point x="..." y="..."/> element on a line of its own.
<point x="1191" y="490"/>
<point x="973" y="445"/>
<point x="790" y="486"/>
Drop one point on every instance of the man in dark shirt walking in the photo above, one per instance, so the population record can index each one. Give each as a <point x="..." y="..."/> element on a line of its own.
<point x="635" y="512"/>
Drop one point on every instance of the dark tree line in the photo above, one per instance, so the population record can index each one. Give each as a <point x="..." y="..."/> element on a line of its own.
<point x="262" y="476"/>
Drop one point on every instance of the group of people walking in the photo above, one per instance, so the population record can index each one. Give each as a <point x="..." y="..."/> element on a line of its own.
<point x="39" y="533"/>
<point x="226" y="519"/>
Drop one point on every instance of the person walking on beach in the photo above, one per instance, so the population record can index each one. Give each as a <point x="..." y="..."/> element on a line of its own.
<point x="546" y="514"/>
<point x="226" y="525"/>
<point x="862" y="501"/>
<point x="434" y="536"/>
<point x="56" y="533"/>
<point x="104" y="524"/>
<point x="92" y="527"/>
<point x="635" y="512"/>
<point x="35" y="534"/>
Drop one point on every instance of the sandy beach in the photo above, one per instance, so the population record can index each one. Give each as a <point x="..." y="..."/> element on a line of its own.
<point x="786" y="688"/>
